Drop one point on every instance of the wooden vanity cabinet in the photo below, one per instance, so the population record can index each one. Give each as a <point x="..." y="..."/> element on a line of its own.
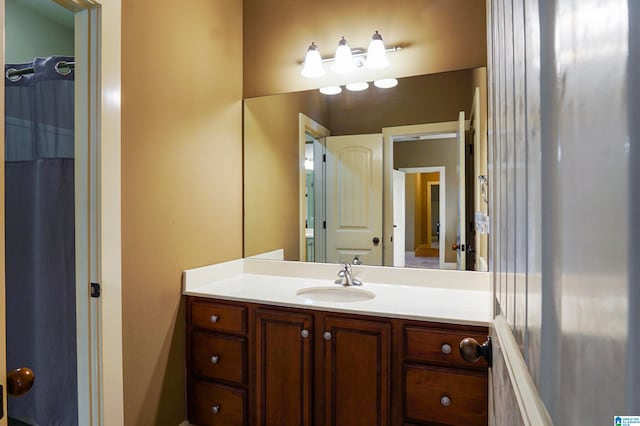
<point x="306" y="367"/>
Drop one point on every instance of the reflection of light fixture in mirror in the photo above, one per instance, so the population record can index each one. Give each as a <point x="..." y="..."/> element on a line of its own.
<point x="343" y="62"/>
<point x="331" y="90"/>
<point x="386" y="83"/>
<point x="356" y="87"/>
<point x="376" y="54"/>
<point x="312" y="63"/>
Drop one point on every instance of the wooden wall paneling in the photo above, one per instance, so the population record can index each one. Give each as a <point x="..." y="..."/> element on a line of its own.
<point x="534" y="206"/>
<point x="520" y="171"/>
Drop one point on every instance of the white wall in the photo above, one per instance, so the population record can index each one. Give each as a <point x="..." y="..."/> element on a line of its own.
<point x="31" y="33"/>
<point x="562" y="221"/>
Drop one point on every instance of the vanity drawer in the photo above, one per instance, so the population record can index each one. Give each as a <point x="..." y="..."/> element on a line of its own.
<point x="438" y="395"/>
<point x="219" y="357"/>
<point x="439" y="346"/>
<point x="214" y="405"/>
<point x="219" y="317"/>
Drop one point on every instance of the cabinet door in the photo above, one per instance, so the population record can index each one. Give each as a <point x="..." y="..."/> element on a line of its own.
<point x="283" y="368"/>
<point x="357" y="372"/>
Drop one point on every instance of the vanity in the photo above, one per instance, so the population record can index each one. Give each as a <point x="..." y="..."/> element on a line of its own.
<point x="279" y="343"/>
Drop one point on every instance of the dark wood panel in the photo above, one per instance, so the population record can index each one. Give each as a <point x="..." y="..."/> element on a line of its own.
<point x="283" y="368"/>
<point x="426" y="386"/>
<point x="432" y="345"/>
<point x="231" y="353"/>
<point x="231" y="405"/>
<point x="357" y="372"/>
<point x="218" y="317"/>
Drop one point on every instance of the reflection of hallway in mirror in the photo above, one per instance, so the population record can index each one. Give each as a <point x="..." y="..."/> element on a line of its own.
<point x="413" y="261"/>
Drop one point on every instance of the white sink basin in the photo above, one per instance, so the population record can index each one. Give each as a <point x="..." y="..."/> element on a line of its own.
<point x="335" y="294"/>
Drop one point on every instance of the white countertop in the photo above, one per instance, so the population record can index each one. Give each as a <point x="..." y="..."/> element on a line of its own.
<point x="429" y="295"/>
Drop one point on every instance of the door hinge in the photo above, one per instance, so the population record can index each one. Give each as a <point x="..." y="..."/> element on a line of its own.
<point x="95" y="290"/>
<point x="324" y="224"/>
<point x="324" y="158"/>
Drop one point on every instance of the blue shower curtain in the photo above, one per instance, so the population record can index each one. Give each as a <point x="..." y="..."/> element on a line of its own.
<point x="40" y="241"/>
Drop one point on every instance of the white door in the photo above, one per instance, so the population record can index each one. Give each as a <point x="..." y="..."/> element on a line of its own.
<point x="354" y="198"/>
<point x="460" y="245"/>
<point x="398" y="218"/>
<point x="319" y="231"/>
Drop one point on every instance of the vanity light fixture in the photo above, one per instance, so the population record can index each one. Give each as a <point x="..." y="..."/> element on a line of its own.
<point x="376" y="54"/>
<point x="357" y="87"/>
<point x="331" y="90"/>
<point x="386" y="83"/>
<point x="312" y="63"/>
<point x="347" y="60"/>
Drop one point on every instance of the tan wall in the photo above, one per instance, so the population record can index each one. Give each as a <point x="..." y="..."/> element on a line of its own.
<point x="421" y="99"/>
<point x="438" y="36"/>
<point x="181" y="182"/>
<point x="272" y="169"/>
<point x="410" y="212"/>
<point x="432" y="153"/>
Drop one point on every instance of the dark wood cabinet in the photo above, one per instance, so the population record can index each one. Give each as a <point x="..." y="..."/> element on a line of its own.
<point x="254" y="364"/>
<point x="357" y="371"/>
<point x="284" y="375"/>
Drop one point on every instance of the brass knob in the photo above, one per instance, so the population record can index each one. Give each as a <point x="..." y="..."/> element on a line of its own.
<point x="215" y="359"/>
<point x="213" y="319"/>
<point x="19" y="381"/>
<point x="215" y="409"/>
<point x="455" y="246"/>
<point x="471" y="351"/>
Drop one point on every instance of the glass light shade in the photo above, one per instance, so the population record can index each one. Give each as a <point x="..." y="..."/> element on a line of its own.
<point x="343" y="61"/>
<point x="357" y="87"/>
<point x="312" y="63"/>
<point x="376" y="54"/>
<point x="331" y="90"/>
<point x="386" y="83"/>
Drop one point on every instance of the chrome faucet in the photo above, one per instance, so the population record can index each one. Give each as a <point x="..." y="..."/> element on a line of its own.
<point x="346" y="278"/>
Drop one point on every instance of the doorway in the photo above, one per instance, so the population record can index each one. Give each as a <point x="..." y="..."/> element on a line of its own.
<point x="425" y="216"/>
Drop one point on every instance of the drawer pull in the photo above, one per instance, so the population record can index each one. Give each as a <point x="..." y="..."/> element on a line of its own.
<point x="304" y="334"/>
<point x="445" y="401"/>
<point x="446" y="349"/>
<point x="327" y="335"/>
<point x="214" y="319"/>
<point x="215" y="359"/>
<point x="215" y="409"/>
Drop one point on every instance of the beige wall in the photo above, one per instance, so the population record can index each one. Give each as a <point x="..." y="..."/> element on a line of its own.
<point x="438" y="35"/>
<point x="415" y="100"/>
<point x="479" y="78"/>
<point x="181" y="182"/>
<point x="272" y="169"/>
<point x="432" y="153"/>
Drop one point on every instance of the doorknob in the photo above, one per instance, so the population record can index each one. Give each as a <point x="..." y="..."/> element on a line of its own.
<point x="376" y="241"/>
<point x="19" y="381"/>
<point x="456" y="247"/>
<point x="471" y="351"/>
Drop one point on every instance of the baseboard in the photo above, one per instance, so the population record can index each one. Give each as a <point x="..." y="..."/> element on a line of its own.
<point x="449" y="265"/>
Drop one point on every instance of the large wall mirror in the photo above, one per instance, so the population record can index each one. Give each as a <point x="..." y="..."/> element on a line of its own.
<point x="382" y="176"/>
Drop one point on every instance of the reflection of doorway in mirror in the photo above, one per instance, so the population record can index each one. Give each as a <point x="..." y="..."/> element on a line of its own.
<point x="424" y="217"/>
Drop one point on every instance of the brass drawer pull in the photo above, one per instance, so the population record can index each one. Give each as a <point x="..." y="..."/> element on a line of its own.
<point x="215" y="409"/>
<point x="215" y="359"/>
<point x="446" y="349"/>
<point x="214" y="319"/>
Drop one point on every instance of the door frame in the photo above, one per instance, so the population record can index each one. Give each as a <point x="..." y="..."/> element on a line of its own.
<point x="305" y="125"/>
<point x="389" y="135"/>
<point x="441" y="170"/>
<point x="100" y="21"/>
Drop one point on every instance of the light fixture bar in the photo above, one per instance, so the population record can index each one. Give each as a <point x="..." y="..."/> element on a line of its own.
<point x="358" y="53"/>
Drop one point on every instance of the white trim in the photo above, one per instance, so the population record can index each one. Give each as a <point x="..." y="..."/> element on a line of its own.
<point x="318" y="131"/>
<point x="443" y="203"/>
<point x="531" y="406"/>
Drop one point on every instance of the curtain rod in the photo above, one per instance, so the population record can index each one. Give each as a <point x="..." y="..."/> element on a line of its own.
<point x="16" y="73"/>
